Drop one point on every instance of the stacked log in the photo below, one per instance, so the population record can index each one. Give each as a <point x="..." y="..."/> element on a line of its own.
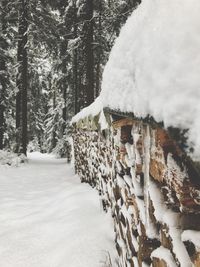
<point x="147" y="182"/>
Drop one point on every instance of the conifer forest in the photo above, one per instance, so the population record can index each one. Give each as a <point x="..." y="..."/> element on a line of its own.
<point x="52" y="54"/>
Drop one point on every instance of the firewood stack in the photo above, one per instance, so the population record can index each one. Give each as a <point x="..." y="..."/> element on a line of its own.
<point x="151" y="188"/>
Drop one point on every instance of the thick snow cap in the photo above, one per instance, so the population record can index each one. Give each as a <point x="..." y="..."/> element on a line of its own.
<point x="154" y="66"/>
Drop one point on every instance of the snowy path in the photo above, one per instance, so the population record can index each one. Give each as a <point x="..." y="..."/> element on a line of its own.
<point x="49" y="219"/>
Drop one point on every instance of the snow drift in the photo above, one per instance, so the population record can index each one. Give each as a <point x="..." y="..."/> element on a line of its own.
<point x="154" y="66"/>
<point x="11" y="159"/>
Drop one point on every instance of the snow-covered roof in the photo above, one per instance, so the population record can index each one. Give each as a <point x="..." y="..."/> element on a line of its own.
<point x="154" y="66"/>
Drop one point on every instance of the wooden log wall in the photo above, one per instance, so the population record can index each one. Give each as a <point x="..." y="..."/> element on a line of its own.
<point x="151" y="188"/>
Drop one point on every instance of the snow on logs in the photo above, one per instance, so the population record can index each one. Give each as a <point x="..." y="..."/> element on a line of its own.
<point x="153" y="68"/>
<point x="151" y="187"/>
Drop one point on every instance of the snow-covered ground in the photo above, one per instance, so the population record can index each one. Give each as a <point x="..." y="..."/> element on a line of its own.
<point x="11" y="159"/>
<point x="49" y="219"/>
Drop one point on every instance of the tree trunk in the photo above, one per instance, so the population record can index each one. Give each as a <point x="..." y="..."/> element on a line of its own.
<point x="89" y="52"/>
<point x="54" y="133"/>
<point x="3" y="70"/>
<point x="22" y="80"/>
<point x="75" y="63"/>
<point x="64" y="110"/>
<point x="99" y="53"/>
<point x="75" y="82"/>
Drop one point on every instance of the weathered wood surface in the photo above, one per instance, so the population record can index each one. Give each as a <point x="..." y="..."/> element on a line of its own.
<point x="141" y="176"/>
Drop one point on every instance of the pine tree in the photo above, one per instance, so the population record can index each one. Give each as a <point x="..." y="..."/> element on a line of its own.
<point x="22" y="79"/>
<point x="89" y="50"/>
<point x="7" y="44"/>
<point x="3" y="70"/>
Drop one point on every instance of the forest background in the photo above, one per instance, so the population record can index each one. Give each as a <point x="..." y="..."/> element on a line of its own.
<point x="52" y="56"/>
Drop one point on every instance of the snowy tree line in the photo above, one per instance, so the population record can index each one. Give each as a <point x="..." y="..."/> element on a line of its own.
<point x="52" y="54"/>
